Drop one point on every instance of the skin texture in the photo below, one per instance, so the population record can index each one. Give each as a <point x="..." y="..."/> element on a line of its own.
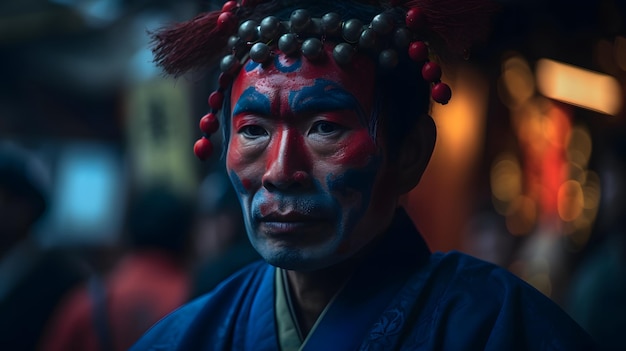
<point x="314" y="184"/>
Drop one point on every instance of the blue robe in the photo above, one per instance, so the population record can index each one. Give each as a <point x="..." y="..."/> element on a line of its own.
<point x="401" y="298"/>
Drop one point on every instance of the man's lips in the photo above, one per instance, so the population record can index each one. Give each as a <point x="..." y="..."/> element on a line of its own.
<point x="287" y="223"/>
<point x="289" y="217"/>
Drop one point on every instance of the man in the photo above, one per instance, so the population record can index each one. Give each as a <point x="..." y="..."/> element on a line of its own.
<point x="322" y="141"/>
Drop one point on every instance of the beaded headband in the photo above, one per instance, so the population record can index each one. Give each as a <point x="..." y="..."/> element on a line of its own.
<point x="302" y="34"/>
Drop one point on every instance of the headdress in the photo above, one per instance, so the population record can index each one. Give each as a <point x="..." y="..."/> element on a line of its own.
<point x="254" y="29"/>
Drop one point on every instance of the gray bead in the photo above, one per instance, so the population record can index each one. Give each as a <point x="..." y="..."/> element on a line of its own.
<point x="259" y="52"/>
<point x="228" y="63"/>
<point x="382" y="23"/>
<point x="402" y="38"/>
<point x="300" y="20"/>
<point x="233" y="42"/>
<point x="351" y="30"/>
<point x="288" y="43"/>
<point x="388" y="58"/>
<point x="331" y="23"/>
<point x="270" y="27"/>
<point x="368" y="39"/>
<point x="312" y="48"/>
<point x="343" y="53"/>
<point x="248" y="31"/>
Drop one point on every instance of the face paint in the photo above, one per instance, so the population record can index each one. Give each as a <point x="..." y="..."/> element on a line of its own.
<point x="310" y="177"/>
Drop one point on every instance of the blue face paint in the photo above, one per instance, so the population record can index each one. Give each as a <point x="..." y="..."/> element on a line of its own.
<point x="354" y="185"/>
<point x="251" y="65"/>
<point x="284" y="68"/>
<point x="252" y="101"/>
<point x="294" y="65"/>
<point x="325" y="95"/>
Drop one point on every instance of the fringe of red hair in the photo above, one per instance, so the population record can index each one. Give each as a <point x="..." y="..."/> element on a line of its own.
<point x="188" y="45"/>
<point x="459" y="23"/>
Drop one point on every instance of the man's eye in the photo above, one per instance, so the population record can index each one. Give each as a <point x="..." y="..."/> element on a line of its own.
<point x="252" y="132"/>
<point x="324" y="128"/>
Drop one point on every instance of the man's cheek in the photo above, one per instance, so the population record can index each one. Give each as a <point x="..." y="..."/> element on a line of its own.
<point x="355" y="184"/>
<point x="357" y="151"/>
<point x="240" y="186"/>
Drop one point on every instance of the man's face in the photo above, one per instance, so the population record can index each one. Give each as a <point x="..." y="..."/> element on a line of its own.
<point x="311" y="178"/>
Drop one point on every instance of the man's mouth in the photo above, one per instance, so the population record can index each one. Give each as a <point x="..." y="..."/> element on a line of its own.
<point x="284" y="223"/>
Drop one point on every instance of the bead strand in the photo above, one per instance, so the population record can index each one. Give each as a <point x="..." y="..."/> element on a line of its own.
<point x="305" y="35"/>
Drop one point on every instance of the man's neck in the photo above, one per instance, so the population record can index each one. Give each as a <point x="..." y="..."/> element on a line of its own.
<point x="311" y="292"/>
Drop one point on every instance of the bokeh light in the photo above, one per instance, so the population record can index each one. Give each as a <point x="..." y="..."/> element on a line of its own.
<point x="579" y="87"/>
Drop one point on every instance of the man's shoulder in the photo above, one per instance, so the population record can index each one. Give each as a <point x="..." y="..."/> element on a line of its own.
<point x="487" y="304"/>
<point x="491" y="287"/>
<point x="169" y="332"/>
<point x="468" y="272"/>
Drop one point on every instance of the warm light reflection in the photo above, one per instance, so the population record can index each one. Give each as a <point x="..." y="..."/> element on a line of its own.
<point x="592" y="191"/>
<point x="506" y="179"/>
<point x="579" y="87"/>
<point x="460" y="122"/>
<point x="579" y="146"/>
<point x="517" y="81"/>
<point x="443" y="202"/>
<point x="570" y="200"/>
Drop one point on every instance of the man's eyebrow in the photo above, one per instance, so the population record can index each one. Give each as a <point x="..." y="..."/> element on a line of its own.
<point x="324" y="95"/>
<point x="252" y="101"/>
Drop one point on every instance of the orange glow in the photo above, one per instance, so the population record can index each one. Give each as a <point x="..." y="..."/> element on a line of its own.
<point x="579" y="146"/>
<point x="516" y="83"/>
<point x="570" y="200"/>
<point x="579" y="87"/>
<point x="460" y="123"/>
<point x="506" y="179"/>
<point x="441" y="204"/>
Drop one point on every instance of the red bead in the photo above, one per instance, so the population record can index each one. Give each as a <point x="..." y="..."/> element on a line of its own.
<point x="216" y="99"/>
<point x="415" y="18"/>
<point x="203" y="148"/>
<point x="441" y="93"/>
<point x="431" y="72"/>
<point x="226" y="22"/>
<point x="229" y="6"/>
<point x="224" y="80"/>
<point x="418" y="51"/>
<point x="209" y="123"/>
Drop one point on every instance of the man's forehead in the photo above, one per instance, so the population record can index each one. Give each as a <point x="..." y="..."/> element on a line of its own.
<point x="292" y="73"/>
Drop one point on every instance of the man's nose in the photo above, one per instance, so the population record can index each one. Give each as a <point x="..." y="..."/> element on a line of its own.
<point x="288" y="162"/>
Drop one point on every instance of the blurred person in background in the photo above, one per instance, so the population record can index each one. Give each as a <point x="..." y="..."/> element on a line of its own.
<point x="111" y="312"/>
<point x="222" y="244"/>
<point x="32" y="279"/>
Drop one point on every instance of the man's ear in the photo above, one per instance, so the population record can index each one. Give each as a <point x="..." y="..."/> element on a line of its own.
<point x="415" y="153"/>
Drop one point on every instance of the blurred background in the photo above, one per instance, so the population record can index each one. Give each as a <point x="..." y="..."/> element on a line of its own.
<point x="529" y="170"/>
